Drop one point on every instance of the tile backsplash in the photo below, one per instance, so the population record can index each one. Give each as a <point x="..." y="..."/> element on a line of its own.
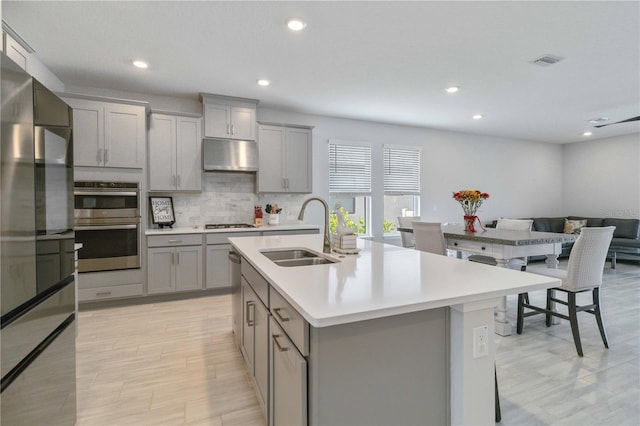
<point x="229" y="197"/>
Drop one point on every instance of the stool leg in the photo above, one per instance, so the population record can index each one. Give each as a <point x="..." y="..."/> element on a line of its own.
<point x="598" y="312"/>
<point x="498" y="413"/>
<point x="573" y="320"/>
<point x="547" y="316"/>
<point x="520" y="319"/>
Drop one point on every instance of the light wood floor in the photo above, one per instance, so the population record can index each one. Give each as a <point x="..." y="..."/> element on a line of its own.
<point x="175" y="363"/>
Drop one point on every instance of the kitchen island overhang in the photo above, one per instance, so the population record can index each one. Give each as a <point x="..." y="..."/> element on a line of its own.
<point x="388" y="303"/>
<point x="382" y="280"/>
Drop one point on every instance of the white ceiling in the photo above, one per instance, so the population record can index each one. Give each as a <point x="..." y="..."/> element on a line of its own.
<point x="383" y="61"/>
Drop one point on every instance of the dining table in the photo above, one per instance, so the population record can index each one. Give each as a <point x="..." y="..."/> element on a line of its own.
<point x="504" y="245"/>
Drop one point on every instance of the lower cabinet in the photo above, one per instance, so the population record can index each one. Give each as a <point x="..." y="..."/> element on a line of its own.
<point x="218" y="274"/>
<point x="274" y="339"/>
<point x="174" y="267"/>
<point x="288" y="377"/>
<point x="255" y="342"/>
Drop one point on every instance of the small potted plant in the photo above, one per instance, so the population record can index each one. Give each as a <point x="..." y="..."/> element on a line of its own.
<point x="274" y="213"/>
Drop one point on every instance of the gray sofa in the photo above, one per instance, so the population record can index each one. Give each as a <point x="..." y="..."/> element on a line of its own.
<point x="626" y="237"/>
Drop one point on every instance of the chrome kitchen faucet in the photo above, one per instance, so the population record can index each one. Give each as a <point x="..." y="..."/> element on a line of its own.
<point x="326" y="248"/>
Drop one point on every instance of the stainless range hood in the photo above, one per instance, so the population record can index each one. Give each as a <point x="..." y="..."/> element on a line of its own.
<point x="229" y="155"/>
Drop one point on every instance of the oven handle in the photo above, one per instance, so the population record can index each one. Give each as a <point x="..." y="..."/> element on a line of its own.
<point x="106" y="192"/>
<point x="104" y="227"/>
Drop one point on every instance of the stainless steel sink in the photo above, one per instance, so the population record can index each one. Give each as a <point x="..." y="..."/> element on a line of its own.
<point x="289" y="254"/>
<point x="296" y="257"/>
<point x="304" y="261"/>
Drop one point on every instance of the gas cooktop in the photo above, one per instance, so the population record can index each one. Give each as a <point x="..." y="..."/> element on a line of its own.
<point x="227" y="225"/>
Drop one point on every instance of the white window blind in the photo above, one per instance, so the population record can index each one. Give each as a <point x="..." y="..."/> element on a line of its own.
<point x="401" y="171"/>
<point x="349" y="169"/>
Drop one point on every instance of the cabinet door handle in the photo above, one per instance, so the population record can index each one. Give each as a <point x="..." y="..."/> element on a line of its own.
<point x="106" y="156"/>
<point x="103" y="293"/>
<point x="173" y="180"/>
<point x="174" y="241"/>
<point x="177" y="258"/>
<point x="275" y="342"/>
<point x="276" y="312"/>
<point x="248" y="317"/>
<point x="173" y="258"/>
<point x="178" y="184"/>
<point x="233" y="129"/>
<point x="228" y="129"/>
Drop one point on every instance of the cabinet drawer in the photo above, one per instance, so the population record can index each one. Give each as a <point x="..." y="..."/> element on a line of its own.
<point x="223" y="237"/>
<point x="174" y="240"/>
<point x="255" y="280"/>
<point x="472" y="246"/>
<point x="113" y="292"/>
<point x="291" y="322"/>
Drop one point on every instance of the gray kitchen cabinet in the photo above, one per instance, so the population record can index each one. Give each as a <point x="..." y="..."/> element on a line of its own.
<point x="218" y="266"/>
<point x="229" y="118"/>
<point x="284" y="159"/>
<point x="255" y="342"/>
<point x="175" y="150"/>
<point x="217" y="262"/>
<point x="174" y="263"/>
<point x="288" y="380"/>
<point x="15" y="51"/>
<point x="108" y="134"/>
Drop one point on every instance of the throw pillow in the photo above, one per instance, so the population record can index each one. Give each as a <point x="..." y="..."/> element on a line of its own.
<point x="574" y="226"/>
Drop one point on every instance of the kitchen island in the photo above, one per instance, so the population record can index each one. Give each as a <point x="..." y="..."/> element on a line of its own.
<point x="390" y="336"/>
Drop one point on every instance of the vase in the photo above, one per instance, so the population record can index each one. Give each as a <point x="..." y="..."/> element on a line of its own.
<point x="274" y="219"/>
<point x="468" y="223"/>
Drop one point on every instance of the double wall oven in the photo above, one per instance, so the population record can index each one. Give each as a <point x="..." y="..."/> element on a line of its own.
<point x="107" y="223"/>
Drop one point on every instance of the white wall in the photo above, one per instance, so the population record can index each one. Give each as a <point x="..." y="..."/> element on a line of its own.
<point x="524" y="178"/>
<point x="601" y="178"/>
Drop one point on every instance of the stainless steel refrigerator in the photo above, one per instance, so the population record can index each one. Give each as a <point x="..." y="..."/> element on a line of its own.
<point x="37" y="330"/>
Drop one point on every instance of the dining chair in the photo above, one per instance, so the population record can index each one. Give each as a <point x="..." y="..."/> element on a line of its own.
<point x="507" y="224"/>
<point x="584" y="273"/>
<point x="407" y="237"/>
<point x="429" y="237"/>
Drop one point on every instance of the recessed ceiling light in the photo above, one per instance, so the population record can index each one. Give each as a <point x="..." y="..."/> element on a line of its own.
<point x="296" y="24"/>
<point x="140" y="64"/>
<point x="587" y="134"/>
<point x="477" y="116"/>
<point x="263" y="82"/>
<point x="452" y="89"/>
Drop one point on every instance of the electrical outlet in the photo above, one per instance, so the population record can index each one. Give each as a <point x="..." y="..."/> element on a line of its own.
<point x="480" y="341"/>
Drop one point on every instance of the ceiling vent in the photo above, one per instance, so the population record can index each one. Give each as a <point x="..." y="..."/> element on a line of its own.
<point x="598" y="120"/>
<point x="546" y="60"/>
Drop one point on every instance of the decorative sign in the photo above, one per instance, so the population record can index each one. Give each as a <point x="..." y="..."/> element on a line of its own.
<point x="162" y="211"/>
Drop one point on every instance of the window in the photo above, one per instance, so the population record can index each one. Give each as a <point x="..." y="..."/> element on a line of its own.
<point x="350" y="185"/>
<point x="401" y="185"/>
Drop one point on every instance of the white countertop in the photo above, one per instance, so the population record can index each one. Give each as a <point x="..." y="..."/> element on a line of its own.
<point x="382" y="280"/>
<point x="202" y="230"/>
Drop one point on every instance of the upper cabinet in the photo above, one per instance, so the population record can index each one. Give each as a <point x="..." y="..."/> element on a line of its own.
<point x="175" y="147"/>
<point x="284" y="158"/>
<point x="15" y="51"/>
<point x="108" y="134"/>
<point x="229" y="118"/>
